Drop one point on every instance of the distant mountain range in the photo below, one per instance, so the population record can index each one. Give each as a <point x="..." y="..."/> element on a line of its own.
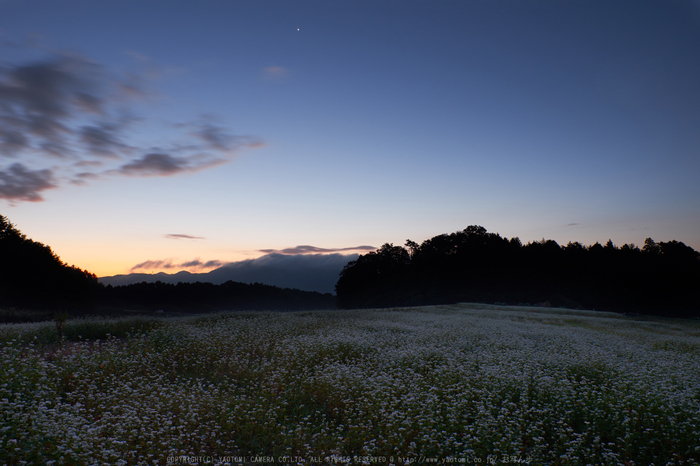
<point x="308" y="272"/>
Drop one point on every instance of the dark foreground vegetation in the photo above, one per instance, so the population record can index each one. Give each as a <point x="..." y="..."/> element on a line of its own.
<point x="475" y="266"/>
<point x="35" y="283"/>
<point x="207" y="297"/>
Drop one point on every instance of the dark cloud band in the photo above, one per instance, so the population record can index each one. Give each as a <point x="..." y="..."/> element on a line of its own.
<point x="21" y="184"/>
<point x="69" y="113"/>
<point x="306" y="249"/>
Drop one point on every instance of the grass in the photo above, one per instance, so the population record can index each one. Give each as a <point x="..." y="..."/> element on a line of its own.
<point x="83" y="329"/>
<point x="466" y="383"/>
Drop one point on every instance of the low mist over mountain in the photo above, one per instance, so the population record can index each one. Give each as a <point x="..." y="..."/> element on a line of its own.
<point x="308" y="272"/>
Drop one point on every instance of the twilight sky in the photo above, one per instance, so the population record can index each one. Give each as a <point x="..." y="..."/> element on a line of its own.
<point x="169" y="135"/>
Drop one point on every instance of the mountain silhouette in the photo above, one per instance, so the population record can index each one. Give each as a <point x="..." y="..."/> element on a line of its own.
<point x="308" y="272"/>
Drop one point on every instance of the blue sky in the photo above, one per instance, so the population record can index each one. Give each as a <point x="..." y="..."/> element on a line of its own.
<point x="215" y="130"/>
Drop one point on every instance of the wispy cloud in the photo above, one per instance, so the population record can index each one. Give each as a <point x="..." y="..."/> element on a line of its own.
<point x="169" y="264"/>
<point x="11" y="141"/>
<point x="275" y="73"/>
<point x="166" y="165"/>
<point x="103" y="139"/>
<point x="153" y="265"/>
<point x="199" y="265"/>
<point x="181" y="236"/>
<point x="306" y="249"/>
<point x="218" y="138"/>
<point x="70" y="115"/>
<point x="21" y="184"/>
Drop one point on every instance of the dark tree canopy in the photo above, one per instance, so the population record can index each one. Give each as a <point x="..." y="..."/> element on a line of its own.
<point x="474" y="265"/>
<point x="207" y="297"/>
<point x="33" y="276"/>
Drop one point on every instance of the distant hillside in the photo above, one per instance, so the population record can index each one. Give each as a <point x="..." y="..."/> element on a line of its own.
<point x="174" y="278"/>
<point x="308" y="272"/>
<point x="206" y="297"/>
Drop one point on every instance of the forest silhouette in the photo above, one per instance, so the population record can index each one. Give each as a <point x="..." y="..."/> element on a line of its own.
<point x="466" y="266"/>
<point x="32" y="276"/>
<point x="476" y="266"/>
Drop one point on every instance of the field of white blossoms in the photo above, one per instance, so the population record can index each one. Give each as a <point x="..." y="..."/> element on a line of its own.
<point x="461" y="384"/>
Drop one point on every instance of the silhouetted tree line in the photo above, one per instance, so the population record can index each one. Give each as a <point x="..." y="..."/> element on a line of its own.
<point x="206" y="297"/>
<point x="33" y="277"/>
<point x="476" y="266"/>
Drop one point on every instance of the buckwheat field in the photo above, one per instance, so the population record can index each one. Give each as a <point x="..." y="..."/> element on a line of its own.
<point x="461" y="384"/>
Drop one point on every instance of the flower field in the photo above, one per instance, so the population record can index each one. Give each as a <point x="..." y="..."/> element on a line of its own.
<point x="460" y="384"/>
